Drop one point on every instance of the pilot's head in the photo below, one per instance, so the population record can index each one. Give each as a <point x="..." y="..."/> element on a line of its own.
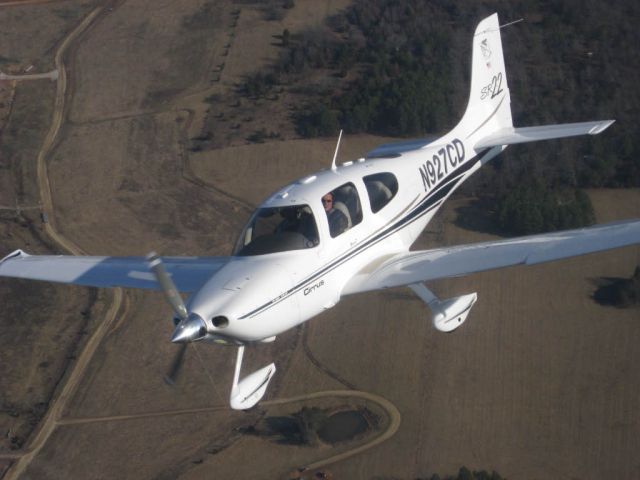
<point x="289" y="213"/>
<point x="327" y="201"/>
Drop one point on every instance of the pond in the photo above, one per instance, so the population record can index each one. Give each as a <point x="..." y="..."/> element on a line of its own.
<point x="343" y="426"/>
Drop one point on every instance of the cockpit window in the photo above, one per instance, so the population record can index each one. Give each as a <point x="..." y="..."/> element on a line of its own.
<point x="381" y="187"/>
<point x="278" y="229"/>
<point x="342" y="207"/>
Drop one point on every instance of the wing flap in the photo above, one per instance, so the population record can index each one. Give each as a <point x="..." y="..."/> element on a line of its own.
<point x="511" y="135"/>
<point x="188" y="273"/>
<point x="414" y="267"/>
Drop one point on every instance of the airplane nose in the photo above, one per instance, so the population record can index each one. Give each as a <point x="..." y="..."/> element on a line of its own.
<point x="189" y="330"/>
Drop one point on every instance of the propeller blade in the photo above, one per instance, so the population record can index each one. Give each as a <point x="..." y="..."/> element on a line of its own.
<point x="176" y="366"/>
<point x="168" y="287"/>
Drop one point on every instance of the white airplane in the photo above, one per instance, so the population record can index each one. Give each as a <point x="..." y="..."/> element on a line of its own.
<point x="345" y="230"/>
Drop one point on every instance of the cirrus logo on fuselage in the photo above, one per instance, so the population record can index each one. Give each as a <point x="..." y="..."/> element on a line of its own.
<point x="313" y="287"/>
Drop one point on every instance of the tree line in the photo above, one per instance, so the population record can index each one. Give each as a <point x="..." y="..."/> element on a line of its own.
<point x="401" y="68"/>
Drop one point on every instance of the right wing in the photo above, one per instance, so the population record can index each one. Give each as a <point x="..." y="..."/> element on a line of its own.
<point x="421" y="266"/>
<point x="188" y="273"/>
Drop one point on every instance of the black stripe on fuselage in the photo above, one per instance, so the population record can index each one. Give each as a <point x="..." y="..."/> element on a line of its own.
<point x="431" y="201"/>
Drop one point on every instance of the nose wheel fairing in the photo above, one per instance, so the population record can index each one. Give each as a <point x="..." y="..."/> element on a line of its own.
<point x="247" y="392"/>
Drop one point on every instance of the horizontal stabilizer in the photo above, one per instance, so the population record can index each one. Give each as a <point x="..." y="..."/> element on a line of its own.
<point x="511" y="135"/>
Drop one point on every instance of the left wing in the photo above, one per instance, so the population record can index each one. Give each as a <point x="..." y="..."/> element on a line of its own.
<point x="188" y="273"/>
<point x="415" y="267"/>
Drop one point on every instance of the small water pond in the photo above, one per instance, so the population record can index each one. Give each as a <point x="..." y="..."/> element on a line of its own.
<point x="343" y="426"/>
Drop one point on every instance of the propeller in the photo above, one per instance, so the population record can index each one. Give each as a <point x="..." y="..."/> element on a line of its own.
<point x="167" y="285"/>
<point x="245" y="393"/>
<point x="178" y="360"/>
<point x="189" y="327"/>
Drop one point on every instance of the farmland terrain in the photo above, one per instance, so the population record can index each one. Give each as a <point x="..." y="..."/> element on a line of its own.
<point x="540" y="382"/>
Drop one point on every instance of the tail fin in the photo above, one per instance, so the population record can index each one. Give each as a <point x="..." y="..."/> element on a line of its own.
<point x="487" y="121"/>
<point x="489" y="107"/>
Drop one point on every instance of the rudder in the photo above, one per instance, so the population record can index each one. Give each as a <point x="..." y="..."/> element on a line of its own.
<point x="489" y="106"/>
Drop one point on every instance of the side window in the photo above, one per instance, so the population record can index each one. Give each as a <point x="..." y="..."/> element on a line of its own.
<point x="381" y="187"/>
<point x="342" y="206"/>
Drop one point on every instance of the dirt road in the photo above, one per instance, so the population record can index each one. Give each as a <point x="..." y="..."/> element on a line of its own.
<point x="118" y="307"/>
<point x="58" y="405"/>
<point x="15" y="3"/>
<point x="52" y="75"/>
<point x="391" y="410"/>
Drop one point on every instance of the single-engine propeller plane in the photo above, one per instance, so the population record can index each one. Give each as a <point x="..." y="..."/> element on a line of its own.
<point x="345" y="230"/>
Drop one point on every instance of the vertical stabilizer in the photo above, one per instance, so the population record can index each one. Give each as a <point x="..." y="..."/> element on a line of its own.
<point x="489" y="107"/>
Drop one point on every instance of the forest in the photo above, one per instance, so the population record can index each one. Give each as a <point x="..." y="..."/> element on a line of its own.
<point x="401" y="68"/>
<point x="465" y="474"/>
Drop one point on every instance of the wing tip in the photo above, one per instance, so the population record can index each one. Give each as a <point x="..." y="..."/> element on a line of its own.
<point x="601" y="127"/>
<point x="15" y="254"/>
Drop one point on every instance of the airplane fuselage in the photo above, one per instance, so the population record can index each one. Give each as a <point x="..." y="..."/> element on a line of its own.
<point x="258" y="296"/>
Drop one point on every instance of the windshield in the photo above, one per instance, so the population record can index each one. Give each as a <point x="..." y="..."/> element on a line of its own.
<point x="278" y="229"/>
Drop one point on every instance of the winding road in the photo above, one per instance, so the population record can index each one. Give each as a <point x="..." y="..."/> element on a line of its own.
<point x="57" y="406"/>
<point x="119" y="306"/>
<point x="52" y="75"/>
<point x="391" y="410"/>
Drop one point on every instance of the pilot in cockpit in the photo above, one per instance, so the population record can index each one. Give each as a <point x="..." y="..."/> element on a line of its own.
<point x="290" y="220"/>
<point x="298" y="220"/>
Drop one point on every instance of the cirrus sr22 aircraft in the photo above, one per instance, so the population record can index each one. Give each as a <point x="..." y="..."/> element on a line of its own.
<point x="345" y="230"/>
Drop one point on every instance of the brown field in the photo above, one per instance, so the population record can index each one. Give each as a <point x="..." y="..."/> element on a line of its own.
<point x="540" y="383"/>
<point x="44" y="25"/>
<point x="35" y="352"/>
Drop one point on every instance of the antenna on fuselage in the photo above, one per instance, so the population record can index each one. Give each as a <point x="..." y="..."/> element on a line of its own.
<point x="335" y="155"/>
